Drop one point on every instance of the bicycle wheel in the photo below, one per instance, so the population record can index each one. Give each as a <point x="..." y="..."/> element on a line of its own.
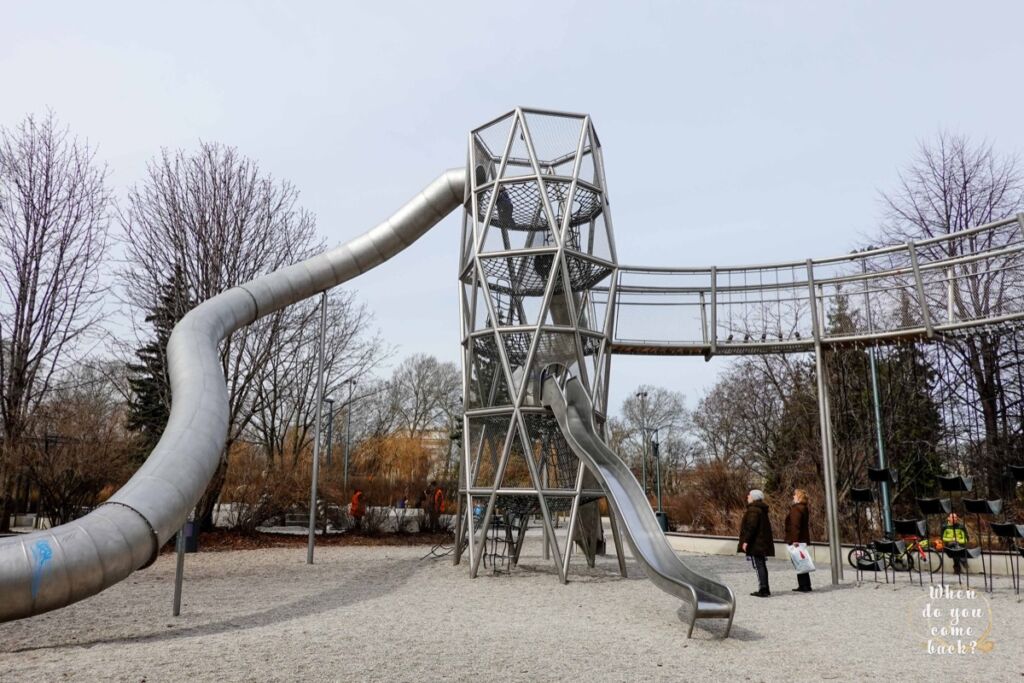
<point x="865" y="559"/>
<point x="901" y="562"/>
<point x="932" y="561"/>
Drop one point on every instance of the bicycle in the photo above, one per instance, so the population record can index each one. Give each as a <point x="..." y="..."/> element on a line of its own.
<point x="866" y="558"/>
<point x="926" y="554"/>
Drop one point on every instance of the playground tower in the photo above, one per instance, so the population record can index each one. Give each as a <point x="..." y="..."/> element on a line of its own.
<point x="536" y="239"/>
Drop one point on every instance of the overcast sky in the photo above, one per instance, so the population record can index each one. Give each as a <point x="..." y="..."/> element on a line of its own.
<point x="733" y="132"/>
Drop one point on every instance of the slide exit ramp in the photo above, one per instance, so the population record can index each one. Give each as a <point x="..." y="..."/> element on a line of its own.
<point x="708" y="598"/>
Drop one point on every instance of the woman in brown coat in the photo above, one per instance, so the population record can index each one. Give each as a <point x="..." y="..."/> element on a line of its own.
<point x="757" y="540"/>
<point x="798" y="531"/>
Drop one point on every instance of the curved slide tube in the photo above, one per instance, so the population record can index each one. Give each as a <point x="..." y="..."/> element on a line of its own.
<point x="46" y="570"/>
<point x="709" y="599"/>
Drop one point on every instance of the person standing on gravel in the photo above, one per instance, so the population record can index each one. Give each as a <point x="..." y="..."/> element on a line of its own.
<point x="357" y="509"/>
<point x="757" y="540"/>
<point x="798" y="530"/>
<point x="435" y="506"/>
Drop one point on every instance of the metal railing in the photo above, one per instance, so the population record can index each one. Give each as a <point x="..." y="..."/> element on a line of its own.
<point x="958" y="281"/>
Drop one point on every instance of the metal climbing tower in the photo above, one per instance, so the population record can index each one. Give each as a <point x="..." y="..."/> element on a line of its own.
<point x="536" y="239"/>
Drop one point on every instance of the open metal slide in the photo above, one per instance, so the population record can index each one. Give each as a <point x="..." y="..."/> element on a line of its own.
<point x="708" y="598"/>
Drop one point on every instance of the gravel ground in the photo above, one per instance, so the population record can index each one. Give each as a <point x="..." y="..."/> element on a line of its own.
<point x="382" y="613"/>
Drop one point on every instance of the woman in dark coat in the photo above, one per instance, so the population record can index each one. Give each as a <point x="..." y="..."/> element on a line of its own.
<point x="757" y="540"/>
<point x="798" y="531"/>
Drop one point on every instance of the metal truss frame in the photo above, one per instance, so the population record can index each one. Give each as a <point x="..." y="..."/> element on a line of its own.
<point x="536" y="239"/>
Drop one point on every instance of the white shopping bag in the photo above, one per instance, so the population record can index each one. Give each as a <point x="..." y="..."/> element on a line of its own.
<point x="802" y="562"/>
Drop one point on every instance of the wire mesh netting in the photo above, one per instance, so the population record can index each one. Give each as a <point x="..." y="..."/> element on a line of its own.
<point x="517" y="345"/>
<point x="554" y="137"/>
<point x="529" y="275"/>
<point x="519" y="205"/>
<point x="554" y="459"/>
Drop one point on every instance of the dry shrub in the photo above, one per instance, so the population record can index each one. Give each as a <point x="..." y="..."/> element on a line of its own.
<point x="257" y="493"/>
<point x="81" y="453"/>
<point x="404" y="518"/>
<point x="375" y="521"/>
<point x="381" y="498"/>
<point x="714" y="495"/>
<point x="446" y="523"/>
<point x="390" y="462"/>
<point x="715" y="499"/>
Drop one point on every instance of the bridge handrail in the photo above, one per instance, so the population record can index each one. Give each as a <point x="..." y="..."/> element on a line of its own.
<point x="930" y="273"/>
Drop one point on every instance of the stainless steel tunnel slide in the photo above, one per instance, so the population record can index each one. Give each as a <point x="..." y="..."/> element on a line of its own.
<point x="50" y="569"/>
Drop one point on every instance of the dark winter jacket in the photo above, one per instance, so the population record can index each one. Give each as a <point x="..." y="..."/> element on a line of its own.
<point x="798" y="528"/>
<point x="756" y="531"/>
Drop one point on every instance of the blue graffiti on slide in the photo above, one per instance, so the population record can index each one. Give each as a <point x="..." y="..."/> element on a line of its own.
<point x="41" y="553"/>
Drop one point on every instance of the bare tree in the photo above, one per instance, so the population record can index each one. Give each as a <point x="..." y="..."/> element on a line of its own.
<point x="720" y="426"/>
<point x="426" y="393"/>
<point x="615" y="434"/>
<point x="218" y="219"/>
<point x="954" y="184"/>
<point x="739" y="422"/>
<point x="653" y="408"/>
<point x="375" y="411"/>
<point x="420" y="401"/>
<point x="285" y="408"/>
<point x="53" y="238"/>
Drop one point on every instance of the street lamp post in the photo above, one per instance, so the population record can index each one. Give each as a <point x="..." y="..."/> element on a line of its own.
<point x="642" y="395"/>
<point x="656" y="449"/>
<point x="348" y="430"/>
<point x="330" y="430"/>
<point x="314" y="483"/>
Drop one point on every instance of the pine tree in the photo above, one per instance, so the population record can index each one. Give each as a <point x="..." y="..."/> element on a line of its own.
<point x="150" y="403"/>
<point x="913" y="422"/>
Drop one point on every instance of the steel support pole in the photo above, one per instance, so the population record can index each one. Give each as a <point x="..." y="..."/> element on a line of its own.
<point x="314" y="484"/>
<point x="949" y="295"/>
<point x="330" y="431"/>
<point x="656" y="447"/>
<point x="831" y="505"/>
<point x="882" y="460"/>
<point x="705" y="340"/>
<point x="348" y="434"/>
<point x="573" y="519"/>
<point x="643" y="462"/>
<point x="547" y="539"/>
<point x="877" y="404"/>
<point x="714" y="311"/>
<point x="825" y="419"/>
<point x="642" y="395"/>
<point x="460" y="521"/>
<point x="179" y="567"/>
<point x="926" y="316"/>
<point x="620" y="550"/>
<point x="468" y="478"/>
